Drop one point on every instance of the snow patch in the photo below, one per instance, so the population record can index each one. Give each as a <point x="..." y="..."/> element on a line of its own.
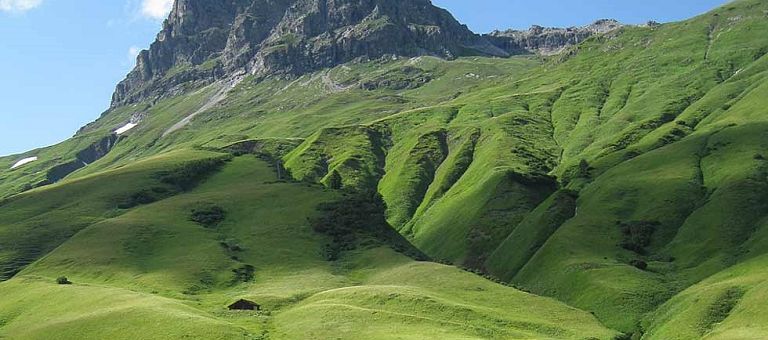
<point x="24" y="162"/>
<point x="125" y="128"/>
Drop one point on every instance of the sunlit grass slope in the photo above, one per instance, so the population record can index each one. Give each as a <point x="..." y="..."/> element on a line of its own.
<point x="152" y="272"/>
<point x="659" y="132"/>
<point x="626" y="177"/>
<point x="36" y="308"/>
<point x="728" y="305"/>
<point x="34" y="223"/>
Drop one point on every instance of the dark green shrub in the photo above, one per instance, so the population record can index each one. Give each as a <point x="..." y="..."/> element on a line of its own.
<point x="637" y="235"/>
<point x="208" y="216"/>
<point x="243" y="273"/>
<point x="188" y="175"/>
<point x="63" y="281"/>
<point x="181" y="178"/>
<point x="721" y="308"/>
<point x="584" y="168"/>
<point x="358" y="220"/>
<point x="334" y="181"/>
<point x="231" y="245"/>
<point x="142" y="197"/>
<point x="639" y="264"/>
<point x="760" y="53"/>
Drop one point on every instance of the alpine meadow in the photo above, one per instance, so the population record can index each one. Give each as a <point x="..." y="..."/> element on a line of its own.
<point x="372" y="169"/>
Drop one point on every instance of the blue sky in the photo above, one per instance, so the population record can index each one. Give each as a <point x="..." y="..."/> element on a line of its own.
<point x="486" y="15"/>
<point x="62" y="58"/>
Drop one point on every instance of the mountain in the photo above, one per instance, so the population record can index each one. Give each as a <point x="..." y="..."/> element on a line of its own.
<point x="549" y="40"/>
<point x="204" y="40"/>
<point x="616" y="190"/>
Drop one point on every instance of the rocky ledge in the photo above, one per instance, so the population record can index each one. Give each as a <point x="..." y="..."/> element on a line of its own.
<point x="203" y="40"/>
<point x="548" y="40"/>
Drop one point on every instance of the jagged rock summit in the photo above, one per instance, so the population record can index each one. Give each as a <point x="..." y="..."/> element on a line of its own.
<point x="548" y="40"/>
<point x="204" y="40"/>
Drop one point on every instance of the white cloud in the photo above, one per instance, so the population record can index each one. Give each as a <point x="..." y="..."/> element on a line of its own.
<point x="19" y="5"/>
<point x="130" y="57"/>
<point x="154" y="9"/>
<point x="133" y="52"/>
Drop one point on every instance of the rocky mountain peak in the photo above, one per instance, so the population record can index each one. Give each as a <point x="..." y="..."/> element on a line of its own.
<point x="603" y="26"/>
<point x="548" y="40"/>
<point x="204" y="40"/>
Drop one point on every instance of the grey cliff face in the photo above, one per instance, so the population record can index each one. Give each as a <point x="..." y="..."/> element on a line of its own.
<point x="548" y="41"/>
<point x="204" y="40"/>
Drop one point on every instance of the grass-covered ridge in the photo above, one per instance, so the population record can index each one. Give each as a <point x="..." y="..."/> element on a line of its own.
<point x="627" y="178"/>
<point x="154" y="263"/>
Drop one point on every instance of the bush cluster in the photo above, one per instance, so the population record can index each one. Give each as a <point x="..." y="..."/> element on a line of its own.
<point x="356" y="219"/>
<point x="244" y="273"/>
<point x="181" y="178"/>
<point x="639" y="264"/>
<point x="142" y="197"/>
<point x="188" y="175"/>
<point x="637" y="235"/>
<point x="208" y="216"/>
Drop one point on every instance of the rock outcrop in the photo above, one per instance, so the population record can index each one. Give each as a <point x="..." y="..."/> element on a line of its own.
<point x="204" y="40"/>
<point x="91" y="154"/>
<point x="546" y="40"/>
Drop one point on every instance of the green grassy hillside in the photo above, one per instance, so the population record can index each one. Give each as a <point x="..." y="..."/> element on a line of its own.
<point x="626" y="178"/>
<point x="155" y="267"/>
<point x="660" y="132"/>
<point x="38" y="221"/>
<point x="724" y="306"/>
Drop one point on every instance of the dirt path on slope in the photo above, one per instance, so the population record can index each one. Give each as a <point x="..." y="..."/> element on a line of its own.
<point x="215" y="99"/>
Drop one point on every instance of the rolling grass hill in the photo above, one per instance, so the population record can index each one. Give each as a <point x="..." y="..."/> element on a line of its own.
<point x="625" y="179"/>
<point x="153" y="266"/>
